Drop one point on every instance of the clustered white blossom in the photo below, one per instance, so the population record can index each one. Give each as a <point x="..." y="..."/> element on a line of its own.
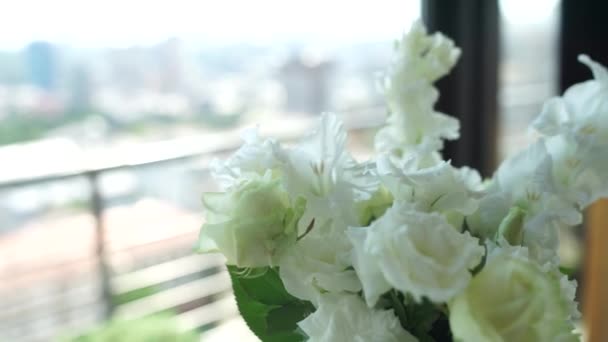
<point x="344" y="233"/>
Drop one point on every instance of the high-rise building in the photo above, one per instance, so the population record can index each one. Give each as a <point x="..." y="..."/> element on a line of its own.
<point x="171" y="66"/>
<point x="42" y="65"/>
<point x="81" y="90"/>
<point x="306" y="84"/>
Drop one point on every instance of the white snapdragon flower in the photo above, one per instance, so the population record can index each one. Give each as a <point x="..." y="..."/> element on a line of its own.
<point x="415" y="252"/>
<point x="511" y="299"/>
<point x="346" y="318"/>
<point x="413" y="127"/>
<point x="335" y="188"/>
<point x="440" y="188"/>
<point x="523" y="202"/>
<point x="582" y="112"/>
<point x="528" y="179"/>
<point x="577" y="170"/>
<point x="251" y="224"/>
<point x="320" y="170"/>
<point x="577" y="123"/>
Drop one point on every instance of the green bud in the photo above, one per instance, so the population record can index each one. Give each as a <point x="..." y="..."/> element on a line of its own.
<point x="512" y="226"/>
<point x="375" y="206"/>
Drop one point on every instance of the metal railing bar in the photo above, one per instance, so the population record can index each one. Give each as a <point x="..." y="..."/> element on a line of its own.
<point x="86" y="172"/>
<point x="100" y="238"/>
<point x="171" y="298"/>
<point x="165" y="271"/>
<point x="194" y="147"/>
<point x="86" y="318"/>
<point x="78" y="293"/>
<point x="219" y="310"/>
<point x="85" y="304"/>
<point x="91" y="258"/>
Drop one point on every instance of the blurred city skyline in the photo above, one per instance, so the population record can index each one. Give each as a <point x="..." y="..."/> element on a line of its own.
<point x="75" y="104"/>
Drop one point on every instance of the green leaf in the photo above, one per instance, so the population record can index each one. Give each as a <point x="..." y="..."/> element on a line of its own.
<point x="287" y="317"/>
<point x="422" y="316"/>
<point x="568" y="271"/>
<point x="441" y="329"/>
<point x="419" y="318"/>
<point x="268" y="309"/>
<point x="264" y="286"/>
<point x="252" y="311"/>
<point x="285" y="337"/>
<point x="398" y="307"/>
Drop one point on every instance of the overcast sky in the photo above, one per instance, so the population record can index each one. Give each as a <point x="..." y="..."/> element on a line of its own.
<point x="119" y="23"/>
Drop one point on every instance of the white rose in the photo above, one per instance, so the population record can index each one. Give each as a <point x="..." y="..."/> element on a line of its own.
<point x="255" y="157"/>
<point x="415" y="252"/>
<point x="511" y="299"/>
<point x="251" y="224"/>
<point x="346" y="318"/>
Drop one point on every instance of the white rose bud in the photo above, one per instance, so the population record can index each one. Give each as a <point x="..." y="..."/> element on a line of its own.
<point x="251" y="224"/>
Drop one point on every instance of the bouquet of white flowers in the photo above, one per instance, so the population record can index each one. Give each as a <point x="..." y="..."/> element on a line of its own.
<point x="407" y="247"/>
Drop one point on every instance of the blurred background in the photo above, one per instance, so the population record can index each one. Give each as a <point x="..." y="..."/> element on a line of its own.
<point x="110" y="112"/>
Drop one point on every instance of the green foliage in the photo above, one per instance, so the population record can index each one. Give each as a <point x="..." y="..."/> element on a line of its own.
<point x="20" y="127"/>
<point x="425" y="320"/>
<point x="130" y="296"/>
<point x="568" y="271"/>
<point x="15" y="129"/>
<point x="270" y="312"/>
<point x="158" y="328"/>
<point x="215" y="120"/>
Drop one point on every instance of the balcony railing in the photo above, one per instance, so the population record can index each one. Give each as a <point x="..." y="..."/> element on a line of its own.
<point x="198" y="284"/>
